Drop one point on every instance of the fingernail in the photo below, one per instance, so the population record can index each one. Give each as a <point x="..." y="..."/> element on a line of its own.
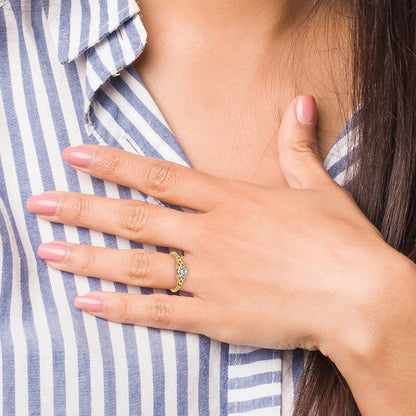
<point x="43" y="204"/>
<point x="53" y="252"/>
<point x="78" y="156"/>
<point x="306" y="109"/>
<point x="88" y="304"/>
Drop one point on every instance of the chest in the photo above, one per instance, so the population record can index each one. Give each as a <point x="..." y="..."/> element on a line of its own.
<point x="227" y="124"/>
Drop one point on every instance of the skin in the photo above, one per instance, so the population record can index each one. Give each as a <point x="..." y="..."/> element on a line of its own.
<point x="326" y="280"/>
<point x="239" y="74"/>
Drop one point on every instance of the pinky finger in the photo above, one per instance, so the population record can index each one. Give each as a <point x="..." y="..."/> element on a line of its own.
<point x="182" y="313"/>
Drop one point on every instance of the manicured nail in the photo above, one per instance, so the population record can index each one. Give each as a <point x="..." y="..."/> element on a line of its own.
<point x="88" y="304"/>
<point x="78" y="156"/>
<point x="306" y="109"/>
<point x="43" y="204"/>
<point x="53" y="252"/>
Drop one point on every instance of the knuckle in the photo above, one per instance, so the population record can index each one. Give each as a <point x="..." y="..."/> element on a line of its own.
<point x="135" y="218"/>
<point x="124" y="310"/>
<point x="139" y="265"/>
<point x="75" y="209"/>
<point x="159" y="311"/>
<point x="87" y="260"/>
<point x="161" y="177"/>
<point x="109" y="165"/>
<point x="296" y="144"/>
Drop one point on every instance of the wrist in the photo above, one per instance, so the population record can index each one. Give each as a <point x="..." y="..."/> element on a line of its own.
<point x="375" y="353"/>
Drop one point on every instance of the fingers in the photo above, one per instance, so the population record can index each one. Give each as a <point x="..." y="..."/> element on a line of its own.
<point x="298" y="150"/>
<point x="132" y="267"/>
<point x="181" y="313"/>
<point x="163" y="180"/>
<point x="133" y="220"/>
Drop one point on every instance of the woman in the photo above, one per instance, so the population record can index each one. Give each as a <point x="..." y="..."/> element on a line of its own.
<point x="271" y="243"/>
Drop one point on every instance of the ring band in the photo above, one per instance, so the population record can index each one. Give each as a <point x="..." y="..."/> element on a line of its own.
<point x="181" y="271"/>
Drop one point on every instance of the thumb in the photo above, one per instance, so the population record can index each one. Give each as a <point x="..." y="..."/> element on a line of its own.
<point x="298" y="149"/>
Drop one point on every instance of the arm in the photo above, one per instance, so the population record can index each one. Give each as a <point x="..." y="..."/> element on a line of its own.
<point x="297" y="266"/>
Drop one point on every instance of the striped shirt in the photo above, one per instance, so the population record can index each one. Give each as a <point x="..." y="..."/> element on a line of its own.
<point x="66" y="79"/>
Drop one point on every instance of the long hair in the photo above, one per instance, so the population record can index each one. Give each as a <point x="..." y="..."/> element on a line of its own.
<point x="383" y="37"/>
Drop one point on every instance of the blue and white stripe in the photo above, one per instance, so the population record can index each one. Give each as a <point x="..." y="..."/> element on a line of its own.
<point x="66" y="79"/>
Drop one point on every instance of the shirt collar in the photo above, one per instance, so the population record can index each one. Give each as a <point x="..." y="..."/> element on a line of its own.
<point x="101" y="36"/>
<point x="77" y="26"/>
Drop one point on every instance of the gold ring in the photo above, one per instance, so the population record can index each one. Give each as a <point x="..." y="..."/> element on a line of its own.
<point x="181" y="271"/>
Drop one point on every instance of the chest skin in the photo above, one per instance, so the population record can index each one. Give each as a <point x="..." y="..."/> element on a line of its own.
<point x="224" y="100"/>
<point x="233" y="132"/>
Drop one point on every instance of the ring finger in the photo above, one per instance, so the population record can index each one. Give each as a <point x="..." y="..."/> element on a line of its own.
<point x="133" y="267"/>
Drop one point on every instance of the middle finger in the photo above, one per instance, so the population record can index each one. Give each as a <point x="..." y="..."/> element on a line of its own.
<point x="134" y="220"/>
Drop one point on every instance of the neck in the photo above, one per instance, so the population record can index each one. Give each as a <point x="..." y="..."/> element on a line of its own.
<point x="214" y="20"/>
<point x="229" y="12"/>
<point x="225" y="69"/>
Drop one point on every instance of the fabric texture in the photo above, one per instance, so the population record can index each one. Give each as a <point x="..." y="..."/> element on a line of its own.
<point x="66" y="79"/>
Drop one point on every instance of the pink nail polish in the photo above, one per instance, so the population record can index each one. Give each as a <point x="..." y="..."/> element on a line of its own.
<point x="53" y="252"/>
<point x="88" y="304"/>
<point x="43" y="204"/>
<point x="306" y="109"/>
<point x="78" y="156"/>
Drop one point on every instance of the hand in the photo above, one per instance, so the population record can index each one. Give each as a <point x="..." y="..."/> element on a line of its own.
<point x="284" y="267"/>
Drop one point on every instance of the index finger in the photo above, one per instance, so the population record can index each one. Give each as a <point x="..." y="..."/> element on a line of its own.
<point x="167" y="181"/>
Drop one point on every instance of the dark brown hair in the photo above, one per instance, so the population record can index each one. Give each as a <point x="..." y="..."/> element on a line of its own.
<point x="383" y="34"/>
